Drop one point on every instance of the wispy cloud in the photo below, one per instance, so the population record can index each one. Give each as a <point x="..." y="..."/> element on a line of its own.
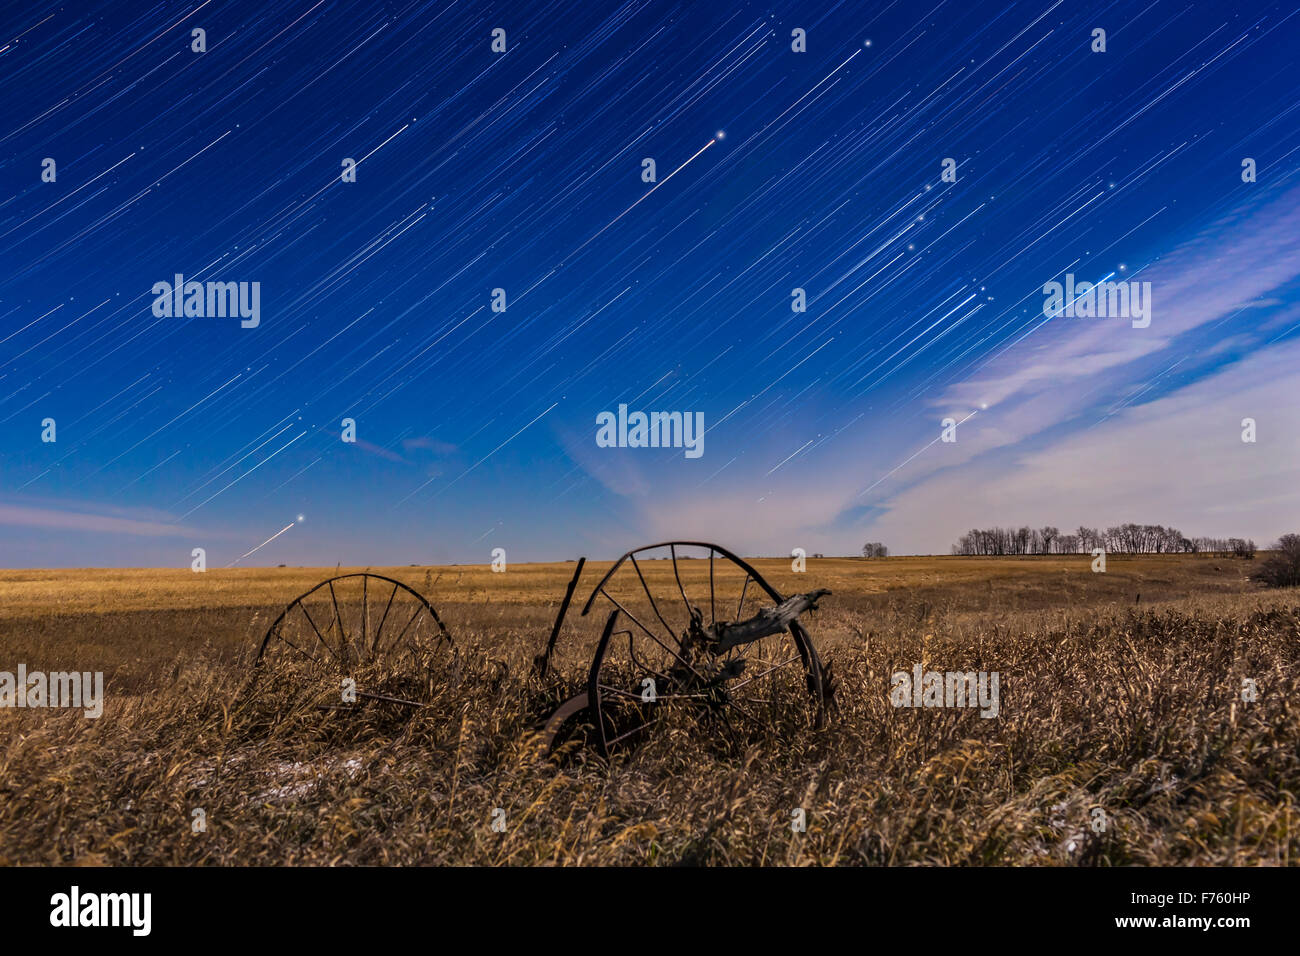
<point x="1177" y="460"/>
<point x="1230" y="266"/>
<point x="430" y="444"/>
<point x="1081" y="421"/>
<point x="77" y="518"/>
<point x="373" y="449"/>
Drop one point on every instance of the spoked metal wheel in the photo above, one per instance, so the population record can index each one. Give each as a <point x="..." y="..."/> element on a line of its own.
<point x="693" y="629"/>
<point x="350" y="625"/>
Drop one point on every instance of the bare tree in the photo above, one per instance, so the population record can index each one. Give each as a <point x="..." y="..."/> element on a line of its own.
<point x="1128" y="538"/>
<point x="1281" y="567"/>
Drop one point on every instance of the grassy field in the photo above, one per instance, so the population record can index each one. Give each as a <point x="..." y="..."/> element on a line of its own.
<point x="1122" y="736"/>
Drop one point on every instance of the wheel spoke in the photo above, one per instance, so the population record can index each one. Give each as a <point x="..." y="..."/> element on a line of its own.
<point x="713" y="613"/>
<point x="365" y="611"/>
<point x="338" y="620"/>
<point x="380" y="629"/>
<point x="677" y="574"/>
<point x="751" y="717"/>
<point x="650" y="634"/>
<point x="285" y="640"/>
<point x="624" y="736"/>
<point x="653" y="606"/>
<point x="302" y="607"/>
<point x="658" y="697"/>
<point x="418" y="609"/>
<point x="750" y="680"/>
<point x="636" y="661"/>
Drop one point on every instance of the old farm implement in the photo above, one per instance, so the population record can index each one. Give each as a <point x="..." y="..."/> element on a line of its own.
<point x="689" y="628"/>
<point x="350" y="621"/>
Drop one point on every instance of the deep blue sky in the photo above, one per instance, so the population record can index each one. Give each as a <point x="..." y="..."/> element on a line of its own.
<point x="522" y="171"/>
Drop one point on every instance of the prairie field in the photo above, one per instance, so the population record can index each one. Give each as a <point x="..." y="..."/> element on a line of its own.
<point x="1123" y="735"/>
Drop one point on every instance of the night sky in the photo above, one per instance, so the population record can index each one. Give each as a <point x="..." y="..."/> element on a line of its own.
<point x="523" y="171"/>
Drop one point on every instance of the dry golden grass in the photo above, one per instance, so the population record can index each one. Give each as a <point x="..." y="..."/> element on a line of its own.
<point x="1133" y="708"/>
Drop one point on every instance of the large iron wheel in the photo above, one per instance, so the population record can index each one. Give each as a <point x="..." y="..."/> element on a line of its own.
<point x="348" y="622"/>
<point x="664" y="650"/>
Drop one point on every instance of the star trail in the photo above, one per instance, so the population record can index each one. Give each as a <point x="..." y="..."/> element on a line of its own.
<point x="458" y="250"/>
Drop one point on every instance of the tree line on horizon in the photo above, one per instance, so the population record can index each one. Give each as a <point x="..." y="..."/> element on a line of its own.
<point x="1120" y="539"/>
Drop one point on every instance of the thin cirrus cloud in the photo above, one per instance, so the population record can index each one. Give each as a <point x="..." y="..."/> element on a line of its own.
<point x="1228" y="268"/>
<point x="1178" y="460"/>
<point x="77" y="518"/>
<point x="1083" y="420"/>
<point x="430" y="445"/>
<point x="1090" y="413"/>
